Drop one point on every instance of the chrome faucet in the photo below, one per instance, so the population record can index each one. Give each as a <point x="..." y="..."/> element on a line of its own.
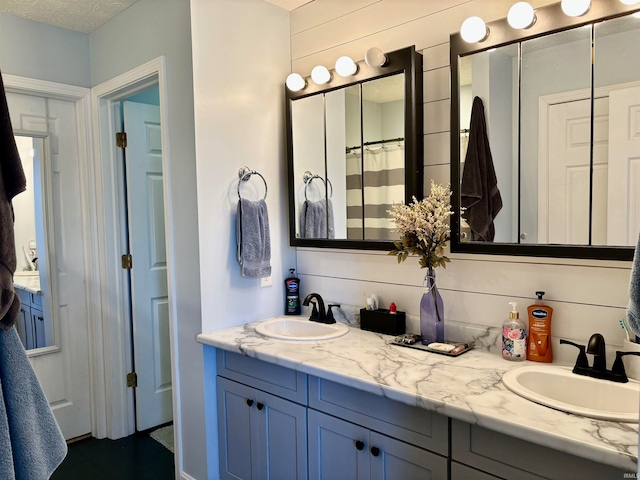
<point x="318" y="314"/>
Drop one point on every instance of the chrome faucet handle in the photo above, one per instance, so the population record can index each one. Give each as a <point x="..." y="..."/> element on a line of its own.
<point x="618" y="371"/>
<point x="330" y="317"/>
<point x="582" y="363"/>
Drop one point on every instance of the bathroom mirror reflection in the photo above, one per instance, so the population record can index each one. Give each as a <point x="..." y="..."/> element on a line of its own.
<point x="562" y="131"/>
<point x="354" y="151"/>
<point x="35" y="325"/>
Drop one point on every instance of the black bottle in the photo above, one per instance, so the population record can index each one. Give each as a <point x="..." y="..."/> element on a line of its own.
<point x="292" y="288"/>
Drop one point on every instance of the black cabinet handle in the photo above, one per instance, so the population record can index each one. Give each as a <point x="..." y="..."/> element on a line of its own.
<point x="249" y="402"/>
<point x="260" y="406"/>
<point x="375" y="451"/>
<point x="359" y="444"/>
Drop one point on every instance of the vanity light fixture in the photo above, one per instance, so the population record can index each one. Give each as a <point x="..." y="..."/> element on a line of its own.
<point x="295" y="82"/>
<point x="474" y="30"/>
<point x="345" y="66"/>
<point x="575" y="8"/>
<point x="320" y="75"/>
<point x="521" y="16"/>
<point x="630" y="2"/>
<point x="374" y="57"/>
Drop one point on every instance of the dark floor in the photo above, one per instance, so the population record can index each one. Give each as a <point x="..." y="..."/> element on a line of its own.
<point x="137" y="457"/>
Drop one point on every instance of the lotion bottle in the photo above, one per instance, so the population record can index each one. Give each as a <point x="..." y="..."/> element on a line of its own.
<point x="514" y="336"/>
<point x="540" y="331"/>
<point x="292" y="288"/>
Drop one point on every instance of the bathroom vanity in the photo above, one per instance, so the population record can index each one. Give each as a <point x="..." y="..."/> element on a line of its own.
<point x="31" y="323"/>
<point x="355" y="407"/>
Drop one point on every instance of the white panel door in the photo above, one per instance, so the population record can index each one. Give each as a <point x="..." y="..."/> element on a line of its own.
<point x="569" y="134"/>
<point x="624" y="167"/>
<point x="63" y="374"/>
<point x="149" y="293"/>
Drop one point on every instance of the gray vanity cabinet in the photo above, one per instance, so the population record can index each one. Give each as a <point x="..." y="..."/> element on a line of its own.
<point x="262" y="419"/>
<point x="359" y="435"/>
<point x="261" y="435"/>
<point x="30" y="323"/>
<point x="342" y="450"/>
<point x="478" y="453"/>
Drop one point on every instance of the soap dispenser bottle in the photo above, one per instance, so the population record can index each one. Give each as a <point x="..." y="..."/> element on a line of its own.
<point x="292" y="288"/>
<point x="539" y="349"/>
<point x="514" y="336"/>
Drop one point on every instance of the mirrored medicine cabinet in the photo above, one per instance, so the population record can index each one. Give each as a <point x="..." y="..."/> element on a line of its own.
<point x="355" y="147"/>
<point x="562" y="114"/>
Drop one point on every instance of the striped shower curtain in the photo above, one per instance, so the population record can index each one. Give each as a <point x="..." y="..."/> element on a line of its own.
<point x="367" y="207"/>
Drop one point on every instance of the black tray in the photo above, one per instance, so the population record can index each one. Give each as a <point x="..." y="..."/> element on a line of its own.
<point x="425" y="348"/>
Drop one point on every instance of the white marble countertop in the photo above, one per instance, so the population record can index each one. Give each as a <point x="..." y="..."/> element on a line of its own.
<point x="30" y="283"/>
<point x="467" y="388"/>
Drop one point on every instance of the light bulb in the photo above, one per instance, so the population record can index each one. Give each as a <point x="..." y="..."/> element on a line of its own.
<point x="575" y="8"/>
<point x="474" y="30"/>
<point x="320" y="75"/>
<point x="346" y="67"/>
<point x="521" y="15"/>
<point x="630" y="2"/>
<point x="375" y="57"/>
<point x="295" y="82"/>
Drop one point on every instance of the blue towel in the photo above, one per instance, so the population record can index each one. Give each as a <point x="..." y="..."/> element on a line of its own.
<point x="633" y="310"/>
<point x="31" y="443"/>
<point x="314" y="218"/>
<point x="253" y="241"/>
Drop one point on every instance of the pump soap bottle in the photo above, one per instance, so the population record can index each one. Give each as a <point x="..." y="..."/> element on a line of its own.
<point x="540" y="331"/>
<point x="514" y="336"/>
<point x="292" y="287"/>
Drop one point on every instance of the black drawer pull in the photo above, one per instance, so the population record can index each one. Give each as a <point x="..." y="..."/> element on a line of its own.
<point x="359" y="445"/>
<point x="249" y="402"/>
<point x="375" y="451"/>
<point x="260" y="406"/>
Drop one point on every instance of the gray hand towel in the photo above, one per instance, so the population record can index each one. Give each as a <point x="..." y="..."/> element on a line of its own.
<point x="253" y="242"/>
<point x="314" y="218"/>
<point x="633" y="310"/>
<point x="12" y="182"/>
<point x="31" y="443"/>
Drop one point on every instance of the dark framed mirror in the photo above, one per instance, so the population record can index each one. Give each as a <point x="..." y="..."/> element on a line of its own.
<point x="355" y="147"/>
<point x="544" y="126"/>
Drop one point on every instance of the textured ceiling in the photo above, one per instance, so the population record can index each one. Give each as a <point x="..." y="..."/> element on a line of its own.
<point x="80" y="15"/>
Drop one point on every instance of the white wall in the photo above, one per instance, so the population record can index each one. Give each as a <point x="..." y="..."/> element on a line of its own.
<point x="144" y="31"/>
<point x="36" y="50"/>
<point x="587" y="296"/>
<point x="240" y="61"/>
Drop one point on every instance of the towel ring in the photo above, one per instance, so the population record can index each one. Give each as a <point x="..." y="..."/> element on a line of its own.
<point x="308" y="177"/>
<point x="244" y="174"/>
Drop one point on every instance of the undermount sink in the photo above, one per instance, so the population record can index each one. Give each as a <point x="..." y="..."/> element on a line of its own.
<point x="561" y="389"/>
<point x="300" y="329"/>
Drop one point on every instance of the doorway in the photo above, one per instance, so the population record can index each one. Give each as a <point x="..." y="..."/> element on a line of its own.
<point x="134" y="313"/>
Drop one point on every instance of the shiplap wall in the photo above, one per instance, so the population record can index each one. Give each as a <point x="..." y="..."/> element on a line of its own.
<point x="587" y="296"/>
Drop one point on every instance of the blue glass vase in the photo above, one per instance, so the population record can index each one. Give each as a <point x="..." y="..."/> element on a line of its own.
<point x="431" y="311"/>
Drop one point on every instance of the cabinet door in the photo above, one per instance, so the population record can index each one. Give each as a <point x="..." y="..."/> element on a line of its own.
<point x="392" y="459"/>
<point x="236" y="426"/>
<point x="462" y="472"/>
<point x="22" y="325"/>
<point x="37" y="319"/>
<point x="282" y="438"/>
<point x="338" y="450"/>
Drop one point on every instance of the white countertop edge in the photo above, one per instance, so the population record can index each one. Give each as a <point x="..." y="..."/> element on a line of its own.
<point x="245" y="341"/>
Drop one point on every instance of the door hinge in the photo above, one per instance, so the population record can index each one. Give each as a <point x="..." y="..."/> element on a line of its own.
<point x="121" y="139"/>
<point x="127" y="261"/>
<point x="132" y="379"/>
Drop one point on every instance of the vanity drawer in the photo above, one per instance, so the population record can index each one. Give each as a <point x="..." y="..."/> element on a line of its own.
<point x="413" y="425"/>
<point x="274" y="379"/>
<point x="509" y="457"/>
